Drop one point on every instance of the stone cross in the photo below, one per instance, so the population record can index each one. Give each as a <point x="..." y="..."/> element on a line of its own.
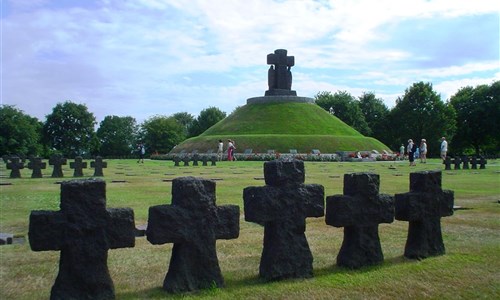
<point x="78" y="165"/>
<point x="282" y="207"/>
<point x="473" y="162"/>
<point x="447" y="163"/>
<point x="204" y="160"/>
<point x="359" y="211"/>
<point x="213" y="160"/>
<point x="465" y="161"/>
<point x="279" y="75"/>
<point x="83" y="230"/>
<point x="193" y="223"/>
<point x="36" y="165"/>
<point x="457" y="161"/>
<point x="186" y="160"/>
<point x="423" y="208"/>
<point x="482" y="163"/>
<point x="195" y="158"/>
<point x="98" y="165"/>
<point x="57" y="161"/>
<point x="15" y="165"/>
<point x="176" y="160"/>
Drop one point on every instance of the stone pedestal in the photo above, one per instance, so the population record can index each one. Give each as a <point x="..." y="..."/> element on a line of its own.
<point x="279" y="99"/>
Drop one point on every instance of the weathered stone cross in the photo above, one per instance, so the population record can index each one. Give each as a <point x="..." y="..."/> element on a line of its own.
<point x="282" y="207"/>
<point x="83" y="230"/>
<point x="36" y="165"/>
<point x="193" y="223"/>
<point x="15" y="165"/>
<point x="78" y="165"/>
<point x="359" y="211"/>
<point x="280" y="77"/>
<point x="57" y="161"/>
<point x="423" y="207"/>
<point x="98" y="165"/>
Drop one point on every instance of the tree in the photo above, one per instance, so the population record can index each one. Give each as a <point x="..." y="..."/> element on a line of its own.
<point x="207" y="118"/>
<point x="117" y="136"/>
<point x="375" y="112"/>
<point x="478" y="114"/>
<point x="421" y="114"/>
<point x="346" y="108"/>
<point x="19" y="132"/>
<point x="185" y="119"/>
<point x="161" y="134"/>
<point x="69" y="129"/>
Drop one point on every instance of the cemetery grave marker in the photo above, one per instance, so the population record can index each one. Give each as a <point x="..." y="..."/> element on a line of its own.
<point x="36" y="165"/>
<point x="57" y="161"/>
<point x="193" y="223"/>
<point x="78" y="165"/>
<point x="98" y="165"/>
<point x="15" y="165"/>
<point x="83" y="230"/>
<point x="282" y="206"/>
<point x="423" y="208"/>
<point x="360" y="210"/>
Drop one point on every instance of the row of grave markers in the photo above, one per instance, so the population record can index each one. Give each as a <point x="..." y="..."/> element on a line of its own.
<point x="84" y="229"/>
<point x="15" y="164"/>
<point x="465" y="160"/>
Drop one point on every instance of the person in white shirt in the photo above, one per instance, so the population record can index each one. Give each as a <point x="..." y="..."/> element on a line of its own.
<point x="444" y="148"/>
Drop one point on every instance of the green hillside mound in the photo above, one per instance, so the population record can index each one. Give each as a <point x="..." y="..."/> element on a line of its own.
<point x="281" y="127"/>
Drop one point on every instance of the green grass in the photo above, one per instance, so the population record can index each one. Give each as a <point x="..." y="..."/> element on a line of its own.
<point x="281" y="127"/>
<point x="469" y="270"/>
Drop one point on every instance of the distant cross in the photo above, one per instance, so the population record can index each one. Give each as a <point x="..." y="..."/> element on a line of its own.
<point x="482" y="163"/>
<point x="473" y="162"/>
<point x="186" y="160"/>
<point x="196" y="158"/>
<point x="36" y="165"/>
<point x="457" y="161"/>
<point x="282" y="207"/>
<point x="280" y="76"/>
<point x="98" y="165"/>
<point x="57" y="161"/>
<point x="465" y="161"/>
<point x="423" y="207"/>
<point x="213" y="160"/>
<point x="193" y="223"/>
<point x="83" y="230"/>
<point x="447" y="163"/>
<point x="359" y="211"/>
<point x="15" y="165"/>
<point x="204" y="160"/>
<point x="176" y="160"/>
<point x="78" y="165"/>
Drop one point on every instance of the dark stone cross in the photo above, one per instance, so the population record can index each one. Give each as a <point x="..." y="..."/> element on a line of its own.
<point x="176" y="160"/>
<point x="465" y="162"/>
<point x="213" y="160"/>
<point x="193" y="223"/>
<point x="15" y="165"/>
<point x="186" y="160"/>
<point x="447" y="163"/>
<point x="279" y="75"/>
<point x="473" y="162"/>
<point x="204" y="160"/>
<point x="78" y="165"/>
<point x="57" y="161"/>
<point x="36" y="165"/>
<point x="482" y="163"/>
<point x="359" y="211"/>
<point x="83" y="230"/>
<point x="282" y="207"/>
<point x="196" y="158"/>
<point x="423" y="208"/>
<point x="457" y="161"/>
<point x="98" y="165"/>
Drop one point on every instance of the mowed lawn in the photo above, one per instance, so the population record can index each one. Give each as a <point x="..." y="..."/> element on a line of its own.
<point x="470" y="268"/>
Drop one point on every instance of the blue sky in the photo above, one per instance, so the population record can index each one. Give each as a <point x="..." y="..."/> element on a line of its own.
<point x="142" y="58"/>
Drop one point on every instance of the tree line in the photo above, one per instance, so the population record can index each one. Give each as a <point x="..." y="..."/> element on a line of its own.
<point x="468" y="120"/>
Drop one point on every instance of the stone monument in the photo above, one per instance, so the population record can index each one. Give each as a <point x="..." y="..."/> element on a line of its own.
<point x="36" y="164"/>
<point x="193" y="223"/>
<point x="83" y="230"/>
<point x="423" y="208"/>
<point x="57" y="161"/>
<point x="282" y="206"/>
<point x="279" y="78"/>
<point x="15" y="165"/>
<point x="359" y="211"/>
<point x="98" y="165"/>
<point x="78" y="165"/>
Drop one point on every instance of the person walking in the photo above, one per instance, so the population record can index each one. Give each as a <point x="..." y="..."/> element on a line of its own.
<point x="423" y="151"/>
<point x="141" y="150"/>
<point x="220" y="150"/>
<point x="444" y="148"/>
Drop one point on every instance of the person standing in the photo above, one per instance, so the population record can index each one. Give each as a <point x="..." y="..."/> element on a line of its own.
<point x="220" y="150"/>
<point x="141" y="150"/>
<point x="230" y="150"/>
<point x="402" y="152"/>
<point x="410" y="148"/>
<point x="444" y="148"/>
<point x="423" y="151"/>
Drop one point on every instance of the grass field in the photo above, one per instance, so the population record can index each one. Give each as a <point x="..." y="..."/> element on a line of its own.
<point x="469" y="270"/>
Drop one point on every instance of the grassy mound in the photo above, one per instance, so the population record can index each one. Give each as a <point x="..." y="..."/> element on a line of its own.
<point x="281" y="127"/>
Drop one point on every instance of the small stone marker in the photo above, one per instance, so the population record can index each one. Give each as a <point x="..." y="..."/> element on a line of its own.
<point x="83" y="230"/>
<point x="57" y="161"/>
<point x="213" y="159"/>
<point x="196" y="158"/>
<point x="186" y="160"/>
<point x="482" y="163"/>
<point x="457" y="161"/>
<point x="447" y="163"/>
<point x="473" y="163"/>
<point x="15" y="165"/>
<point x="176" y="160"/>
<point x="78" y="165"/>
<point x="359" y="211"/>
<point x="193" y="223"/>
<point x="36" y="165"/>
<point x="465" y="162"/>
<point x="98" y="165"/>
<point x="282" y="207"/>
<point x="204" y="160"/>
<point x="423" y="208"/>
